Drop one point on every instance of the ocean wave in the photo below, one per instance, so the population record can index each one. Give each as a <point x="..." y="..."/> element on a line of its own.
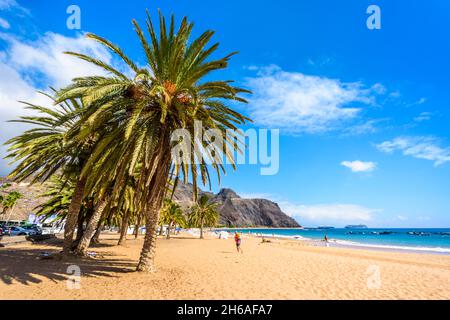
<point x="391" y="247"/>
<point x="293" y="237"/>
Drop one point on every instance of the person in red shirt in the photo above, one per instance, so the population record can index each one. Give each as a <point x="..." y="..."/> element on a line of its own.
<point x="238" y="240"/>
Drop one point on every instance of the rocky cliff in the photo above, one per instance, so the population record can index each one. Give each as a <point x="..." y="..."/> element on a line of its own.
<point x="238" y="212"/>
<point x="25" y="206"/>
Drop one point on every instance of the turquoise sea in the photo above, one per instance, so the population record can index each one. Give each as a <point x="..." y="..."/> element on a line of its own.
<point x="427" y="240"/>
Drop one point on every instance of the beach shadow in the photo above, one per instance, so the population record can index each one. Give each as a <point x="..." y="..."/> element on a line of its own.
<point x="183" y="238"/>
<point x="25" y="265"/>
<point x="103" y="245"/>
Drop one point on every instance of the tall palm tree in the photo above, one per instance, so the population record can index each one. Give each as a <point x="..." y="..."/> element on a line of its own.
<point x="166" y="94"/>
<point x="49" y="148"/>
<point x="204" y="214"/>
<point x="171" y="215"/>
<point x="44" y="150"/>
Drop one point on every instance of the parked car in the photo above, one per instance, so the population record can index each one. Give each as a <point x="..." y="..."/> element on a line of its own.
<point x="4" y="230"/>
<point x="18" y="231"/>
<point x="33" y="229"/>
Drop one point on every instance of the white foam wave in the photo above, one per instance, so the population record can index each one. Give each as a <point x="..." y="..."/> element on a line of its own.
<point x="392" y="247"/>
<point x="294" y="237"/>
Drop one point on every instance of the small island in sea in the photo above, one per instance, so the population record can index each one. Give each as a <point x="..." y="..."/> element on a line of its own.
<point x="357" y="226"/>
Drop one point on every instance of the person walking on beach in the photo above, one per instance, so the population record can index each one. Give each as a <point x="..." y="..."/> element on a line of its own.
<point x="238" y="240"/>
<point x="326" y="241"/>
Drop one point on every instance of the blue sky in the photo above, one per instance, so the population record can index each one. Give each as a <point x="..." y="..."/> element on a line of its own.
<point x="363" y="114"/>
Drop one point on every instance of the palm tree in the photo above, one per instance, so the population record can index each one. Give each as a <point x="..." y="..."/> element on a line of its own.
<point x="171" y="215"/>
<point x="204" y="214"/>
<point x="58" y="194"/>
<point x="49" y="148"/>
<point x="9" y="202"/>
<point x="5" y="186"/>
<point x="45" y="150"/>
<point x="127" y="208"/>
<point x="165" y="95"/>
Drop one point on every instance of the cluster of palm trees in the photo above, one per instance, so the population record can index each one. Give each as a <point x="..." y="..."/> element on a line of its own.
<point x="202" y="214"/>
<point x="107" y="139"/>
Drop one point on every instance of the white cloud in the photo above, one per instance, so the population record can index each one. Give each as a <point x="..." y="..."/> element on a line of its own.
<point x="329" y="214"/>
<point x="319" y="214"/>
<point x="44" y="57"/>
<point x="417" y="103"/>
<point x="13" y="88"/>
<point x="418" y="147"/>
<point x="421" y="101"/>
<point x="320" y="62"/>
<point x="359" y="166"/>
<point x="300" y="103"/>
<point x="424" y="116"/>
<point x="395" y="94"/>
<point x="4" y="24"/>
<point x="369" y="126"/>
<point x="6" y="4"/>
<point x="379" y="88"/>
<point x="13" y="5"/>
<point x="27" y="66"/>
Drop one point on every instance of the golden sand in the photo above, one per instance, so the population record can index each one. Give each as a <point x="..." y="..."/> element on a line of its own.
<point x="211" y="269"/>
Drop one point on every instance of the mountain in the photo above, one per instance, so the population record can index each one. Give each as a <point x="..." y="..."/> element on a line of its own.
<point x="25" y="206"/>
<point x="238" y="212"/>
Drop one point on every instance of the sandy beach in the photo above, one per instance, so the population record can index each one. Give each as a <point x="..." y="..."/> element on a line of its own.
<point x="211" y="269"/>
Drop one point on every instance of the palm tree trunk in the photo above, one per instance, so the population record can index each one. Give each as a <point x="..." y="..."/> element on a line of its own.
<point x="72" y="215"/>
<point x="124" y="229"/>
<point x="81" y="219"/>
<point x="168" y="230"/>
<point x="91" y="228"/>
<point x="146" y="261"/>
<point x="136" y="228"/>
<point x="201" y="228"/>
<point x="157" y="186"/>
<point x="80" y="223"/>
<point x="96" y="238"/>
<point x="10" y="213"/>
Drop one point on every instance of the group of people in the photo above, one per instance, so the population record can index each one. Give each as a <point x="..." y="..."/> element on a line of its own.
<point x="238" y="241"/>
